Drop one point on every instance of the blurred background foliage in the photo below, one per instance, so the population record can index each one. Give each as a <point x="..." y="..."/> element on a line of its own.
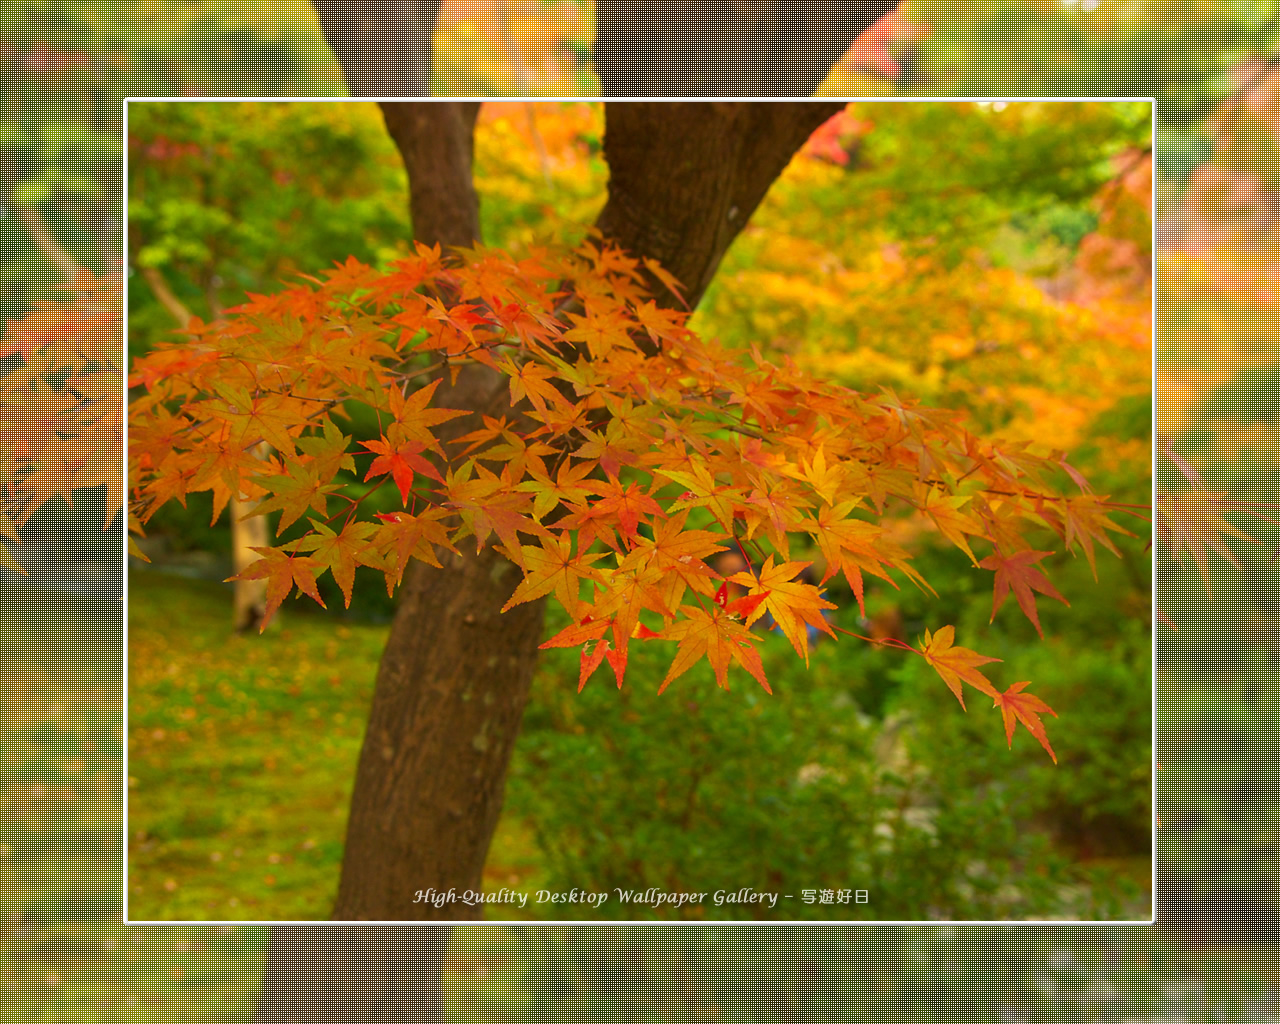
<point x="983" y="257"/>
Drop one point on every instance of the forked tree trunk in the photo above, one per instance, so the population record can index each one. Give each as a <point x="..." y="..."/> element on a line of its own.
<point x="455" y="674"/>
<point x="733" y="48"/>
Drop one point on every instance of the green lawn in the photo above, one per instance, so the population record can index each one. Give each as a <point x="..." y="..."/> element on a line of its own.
<point x="242" y="754"/>
<point x="243" y="749"/>
<point x="65" y="953"/>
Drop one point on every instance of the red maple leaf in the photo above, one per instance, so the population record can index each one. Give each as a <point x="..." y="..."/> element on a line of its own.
<point x="1017" y="572"/>
<point x="401" y="460"/>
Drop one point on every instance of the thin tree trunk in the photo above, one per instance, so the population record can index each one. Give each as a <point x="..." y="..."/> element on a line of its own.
<point x="248" y="597"/>
<point x="161" y="290"/>
<point x="33" y="220"/>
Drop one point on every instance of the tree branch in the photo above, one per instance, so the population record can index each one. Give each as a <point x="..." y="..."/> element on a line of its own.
<point x="383" y="46"/>
<point x="736" y="48"/>
<point x="53" y="251"/>
<point x="160" y="288"/>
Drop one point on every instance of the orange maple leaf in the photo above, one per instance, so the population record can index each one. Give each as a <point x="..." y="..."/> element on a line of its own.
<point x="553" y="567"/>
<point x="793" y="603"/>
<point x="1017" y="706"/>
<point x="951" y="522"/>
<point x="956" y="665"/>
<point x="340" y="552"/>
<point x="588" y="629"/>
<point x="415" y="416"/>
<point x="628" y="506"/>
<point x="295" y="490"/>
<point x="721" y="638"/>
<point x="411" y="537"/>
<point x="851" y="545"/>
<point x="1085" y="520"/>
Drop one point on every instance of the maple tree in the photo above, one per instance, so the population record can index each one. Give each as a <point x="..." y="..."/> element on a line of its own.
<point x="986" y="65"/>
<point x="639" y="451"/>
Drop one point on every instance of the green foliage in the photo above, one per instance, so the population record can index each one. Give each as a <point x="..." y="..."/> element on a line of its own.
<point x="1173" y="50"/>
<point x="1217" y="814"/>
<point x="1101" y="804"/>
<point x="919" y="975"/>
<point x="225" y="198"/>
<point x="68" y="64"/>
<point x="701" y="789"/>
<point x="807" y="790"/>
<point x="954" y="173"/>
<point x="925" y="263"/>
<point x="1218" y="772"/>
<point x="1179" y="52"/>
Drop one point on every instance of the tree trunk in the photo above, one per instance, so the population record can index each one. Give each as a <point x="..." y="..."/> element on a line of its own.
<point x="437" y="143"/>
<point x="249" y="597"/>
<point x="455" y="675"/>
<point x="684" y="178"/>
<point x="736" y="48"/>
<point x="328" y="974"/>
<point x="384" y="46"/>
<point x="447" y="703"/>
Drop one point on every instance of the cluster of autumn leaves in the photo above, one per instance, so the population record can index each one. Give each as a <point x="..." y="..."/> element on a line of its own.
<point x="634" y="452"/>
<point x="61" y="424"/>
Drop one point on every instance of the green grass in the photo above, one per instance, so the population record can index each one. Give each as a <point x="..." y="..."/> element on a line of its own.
<point x="243" y="749"/>
<point x="242" y="754"/>
<point x="66" y="955"/>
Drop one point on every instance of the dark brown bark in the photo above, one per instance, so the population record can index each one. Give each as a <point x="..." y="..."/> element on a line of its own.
<point x="684" y="178"/>
<point x="734" y="48"/>
<point x="455" y="674"/>
<point x="447" y="704"/>
<point x="436" y="142"/>
<point x="322" y="974"/>
<point x="446" y="708"/>
<point x="384" y="46"/>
